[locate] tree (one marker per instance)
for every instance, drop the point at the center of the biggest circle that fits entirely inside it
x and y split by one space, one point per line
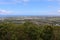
47 33
32 30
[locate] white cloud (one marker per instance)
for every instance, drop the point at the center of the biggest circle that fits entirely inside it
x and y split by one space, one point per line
25 0
50 6
5 12
14 1
58 11
50 0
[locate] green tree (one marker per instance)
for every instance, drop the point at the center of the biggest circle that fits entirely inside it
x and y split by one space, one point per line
32 30
47 33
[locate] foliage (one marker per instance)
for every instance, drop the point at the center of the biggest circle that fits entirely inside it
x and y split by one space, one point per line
47 33
26 31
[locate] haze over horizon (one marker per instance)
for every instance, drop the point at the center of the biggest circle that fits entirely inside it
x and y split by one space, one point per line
30 7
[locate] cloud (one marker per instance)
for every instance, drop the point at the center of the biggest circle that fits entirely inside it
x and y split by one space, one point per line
5 12
13 1
58 11
50 6
58 1
23 1
50 0
7 3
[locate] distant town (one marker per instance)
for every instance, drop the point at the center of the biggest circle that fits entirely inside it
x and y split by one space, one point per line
40 20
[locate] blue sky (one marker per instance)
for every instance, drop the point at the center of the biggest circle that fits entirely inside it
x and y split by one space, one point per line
29 7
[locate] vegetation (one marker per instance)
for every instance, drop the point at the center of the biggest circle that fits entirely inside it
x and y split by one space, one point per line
27 31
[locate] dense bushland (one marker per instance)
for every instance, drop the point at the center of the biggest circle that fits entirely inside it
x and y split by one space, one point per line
26 31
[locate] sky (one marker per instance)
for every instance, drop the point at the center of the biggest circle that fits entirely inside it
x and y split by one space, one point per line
30 7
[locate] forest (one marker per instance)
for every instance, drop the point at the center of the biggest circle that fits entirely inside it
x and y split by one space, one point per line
28 31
